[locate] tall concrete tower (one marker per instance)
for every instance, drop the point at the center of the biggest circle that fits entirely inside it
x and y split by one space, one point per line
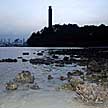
50 17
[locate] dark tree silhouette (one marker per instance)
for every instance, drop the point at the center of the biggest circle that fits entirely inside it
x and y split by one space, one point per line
70 35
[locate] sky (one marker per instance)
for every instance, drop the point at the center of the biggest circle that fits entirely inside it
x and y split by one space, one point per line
19 18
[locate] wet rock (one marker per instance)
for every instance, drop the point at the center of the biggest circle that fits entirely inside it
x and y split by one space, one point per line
39 61
93 77
97 77
50 77
24 60
59 64
62 78
19 57
93 66
72 84
75 73
8 60
66 58
34 86
24 77
25 53
91 93
66 86
39 54
55 56
69 74
11 86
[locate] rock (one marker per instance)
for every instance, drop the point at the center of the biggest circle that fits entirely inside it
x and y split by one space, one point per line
69 74
62 78
92 78
38 61
50 77
25 53
34 86
75 73
19 57
55 56
66 58
91 93
8 60
93 66
39 54
24 60
66 86
72 84
24 77
11 86
59 64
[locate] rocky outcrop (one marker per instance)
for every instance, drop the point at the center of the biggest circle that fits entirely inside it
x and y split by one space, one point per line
91 93
72 84
24 77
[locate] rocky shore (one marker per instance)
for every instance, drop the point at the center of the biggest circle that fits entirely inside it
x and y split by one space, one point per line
89 85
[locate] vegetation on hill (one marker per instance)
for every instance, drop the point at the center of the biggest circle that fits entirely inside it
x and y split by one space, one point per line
70 35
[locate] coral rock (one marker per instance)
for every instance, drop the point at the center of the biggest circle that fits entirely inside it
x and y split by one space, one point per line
24 77
11 86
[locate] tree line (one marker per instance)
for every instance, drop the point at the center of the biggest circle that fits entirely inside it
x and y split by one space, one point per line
70 35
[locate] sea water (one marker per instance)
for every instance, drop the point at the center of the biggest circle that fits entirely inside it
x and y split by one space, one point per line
48 96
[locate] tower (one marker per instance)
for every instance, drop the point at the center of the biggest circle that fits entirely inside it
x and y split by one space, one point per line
50 17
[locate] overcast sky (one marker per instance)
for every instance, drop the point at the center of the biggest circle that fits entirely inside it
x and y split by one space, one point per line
20 17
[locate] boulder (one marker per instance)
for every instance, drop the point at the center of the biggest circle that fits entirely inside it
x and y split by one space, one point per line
24 77
11 86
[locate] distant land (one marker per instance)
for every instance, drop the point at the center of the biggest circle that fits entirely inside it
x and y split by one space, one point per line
70 35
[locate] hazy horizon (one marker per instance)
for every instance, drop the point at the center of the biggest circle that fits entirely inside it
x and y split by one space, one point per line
20 18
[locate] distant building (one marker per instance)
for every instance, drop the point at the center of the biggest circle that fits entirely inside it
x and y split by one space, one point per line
50 17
